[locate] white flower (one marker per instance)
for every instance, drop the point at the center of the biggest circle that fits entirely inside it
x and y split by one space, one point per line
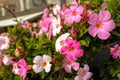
6 60
41 63
60 42
56 9
15 69
4 42
56 24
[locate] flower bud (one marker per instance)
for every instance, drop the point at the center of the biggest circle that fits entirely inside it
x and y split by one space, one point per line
18 51
73 31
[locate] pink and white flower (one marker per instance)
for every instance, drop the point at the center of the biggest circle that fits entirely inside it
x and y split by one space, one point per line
83 73
115 52
56 24
101 25
60 42
6 59
15 69
4 42
68 65
56 9
72 49
41 63
20 68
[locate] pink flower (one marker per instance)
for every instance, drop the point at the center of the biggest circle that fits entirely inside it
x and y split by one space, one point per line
73 14
46 25
26 24
72 49
83 73
4 42
73 31
20 68
41 63
115 52
67 65
101 25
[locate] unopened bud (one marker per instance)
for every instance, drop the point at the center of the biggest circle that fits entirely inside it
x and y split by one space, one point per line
18 51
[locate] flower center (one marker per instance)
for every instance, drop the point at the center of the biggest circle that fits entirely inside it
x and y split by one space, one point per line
43 63
74 13
71 48
82 73
62 42
99 25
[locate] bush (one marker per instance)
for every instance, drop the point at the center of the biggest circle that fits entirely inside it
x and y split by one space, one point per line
79 41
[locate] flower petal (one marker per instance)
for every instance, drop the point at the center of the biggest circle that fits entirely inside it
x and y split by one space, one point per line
63 50
21 63
104 15
88 76
68 68
78 78
73 8
109 25
93 19
79 10
47 58
78 53
22 72
47 67
103 35
69 41
37 68
77 18
75 66
76 44
70 56
93 31
86 67
37 59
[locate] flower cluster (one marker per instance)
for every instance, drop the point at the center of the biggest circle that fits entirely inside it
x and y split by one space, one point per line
56 43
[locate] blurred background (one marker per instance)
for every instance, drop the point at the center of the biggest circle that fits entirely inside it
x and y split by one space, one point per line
23 10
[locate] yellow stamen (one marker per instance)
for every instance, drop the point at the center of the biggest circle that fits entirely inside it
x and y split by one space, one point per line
82 73
98 25
71 48
62 42
74 13
43 63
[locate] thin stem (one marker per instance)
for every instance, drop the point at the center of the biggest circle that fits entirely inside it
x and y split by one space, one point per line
11 13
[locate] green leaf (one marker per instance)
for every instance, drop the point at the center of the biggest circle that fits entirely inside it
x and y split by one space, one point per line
83 42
